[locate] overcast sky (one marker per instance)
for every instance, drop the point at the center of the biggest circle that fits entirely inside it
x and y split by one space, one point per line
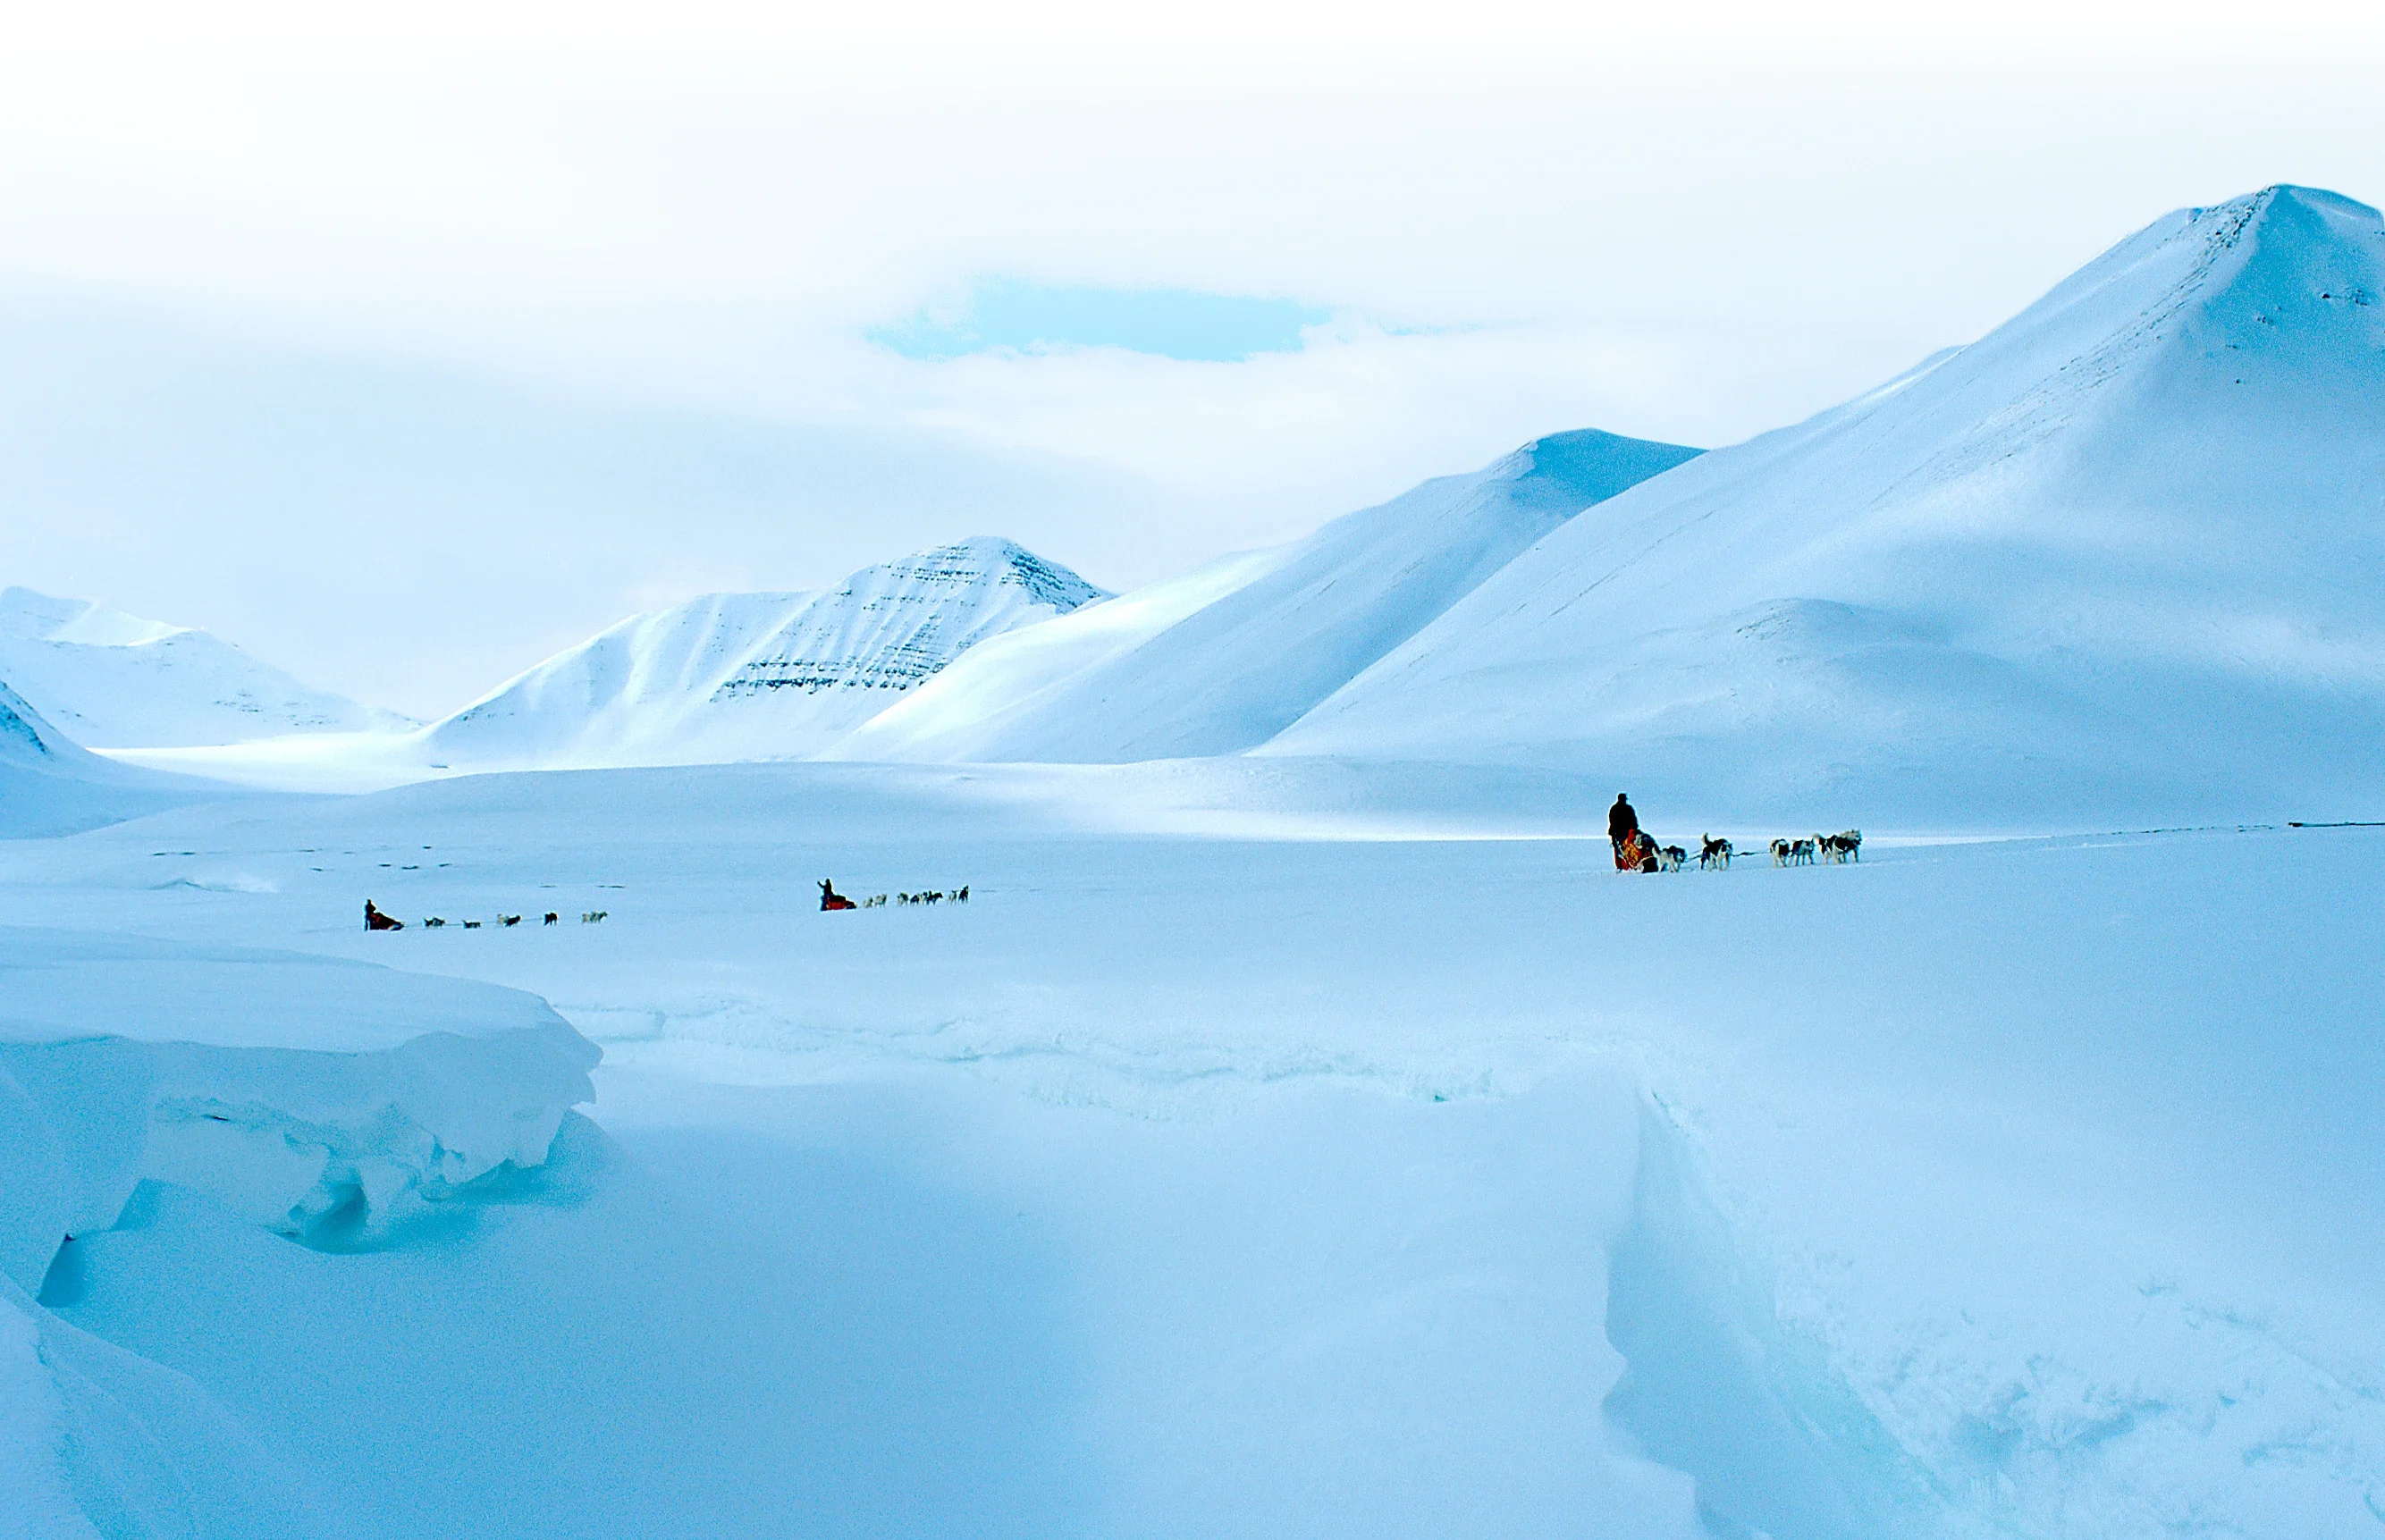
403 354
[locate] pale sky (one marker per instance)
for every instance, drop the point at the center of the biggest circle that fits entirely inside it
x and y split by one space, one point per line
405 353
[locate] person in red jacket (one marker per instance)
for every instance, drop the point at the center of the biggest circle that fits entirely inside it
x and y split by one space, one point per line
376 920
1623 833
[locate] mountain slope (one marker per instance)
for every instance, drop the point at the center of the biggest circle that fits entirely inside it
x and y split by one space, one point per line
2125 554
634 684
50 785
734 676
1222 659
112 680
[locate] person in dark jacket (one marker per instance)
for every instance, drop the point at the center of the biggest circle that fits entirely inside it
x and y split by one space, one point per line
1622 823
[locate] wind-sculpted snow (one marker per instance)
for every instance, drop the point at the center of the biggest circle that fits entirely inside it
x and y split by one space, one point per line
743 676
326 1101
1227 657
2114 559
108 680
310 1095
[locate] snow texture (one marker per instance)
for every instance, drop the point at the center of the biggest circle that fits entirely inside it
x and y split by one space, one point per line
1223 659
108 680
2120 558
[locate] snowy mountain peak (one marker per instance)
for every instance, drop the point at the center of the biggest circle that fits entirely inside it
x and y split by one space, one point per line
1585 466
2282 258
891 626
766 676
108 680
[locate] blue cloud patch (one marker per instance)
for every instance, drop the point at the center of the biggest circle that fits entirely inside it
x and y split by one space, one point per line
1172 323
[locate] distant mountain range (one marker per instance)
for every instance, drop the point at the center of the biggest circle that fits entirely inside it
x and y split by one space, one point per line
2124 556
111 680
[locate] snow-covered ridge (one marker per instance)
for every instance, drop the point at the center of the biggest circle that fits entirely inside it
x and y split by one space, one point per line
301 1091
631 683
738 676
2114 559
1222 659
108 680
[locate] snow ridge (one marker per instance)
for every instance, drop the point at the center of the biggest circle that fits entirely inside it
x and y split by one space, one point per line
1223 658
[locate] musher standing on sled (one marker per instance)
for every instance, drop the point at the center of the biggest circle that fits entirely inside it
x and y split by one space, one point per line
1623 833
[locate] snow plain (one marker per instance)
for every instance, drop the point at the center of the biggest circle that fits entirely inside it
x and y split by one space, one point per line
1362 1164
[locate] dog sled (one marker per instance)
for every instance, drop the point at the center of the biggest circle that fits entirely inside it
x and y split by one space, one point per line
1636 852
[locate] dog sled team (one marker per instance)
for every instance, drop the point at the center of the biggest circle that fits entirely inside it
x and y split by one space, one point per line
376 919
830 900
1637 850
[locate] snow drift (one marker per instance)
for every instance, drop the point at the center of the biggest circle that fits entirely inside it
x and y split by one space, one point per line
2120 556
737 676
305 1092
1227 657
108 680
322 1099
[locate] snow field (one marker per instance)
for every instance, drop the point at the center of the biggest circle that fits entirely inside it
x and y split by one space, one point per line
2016 1187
